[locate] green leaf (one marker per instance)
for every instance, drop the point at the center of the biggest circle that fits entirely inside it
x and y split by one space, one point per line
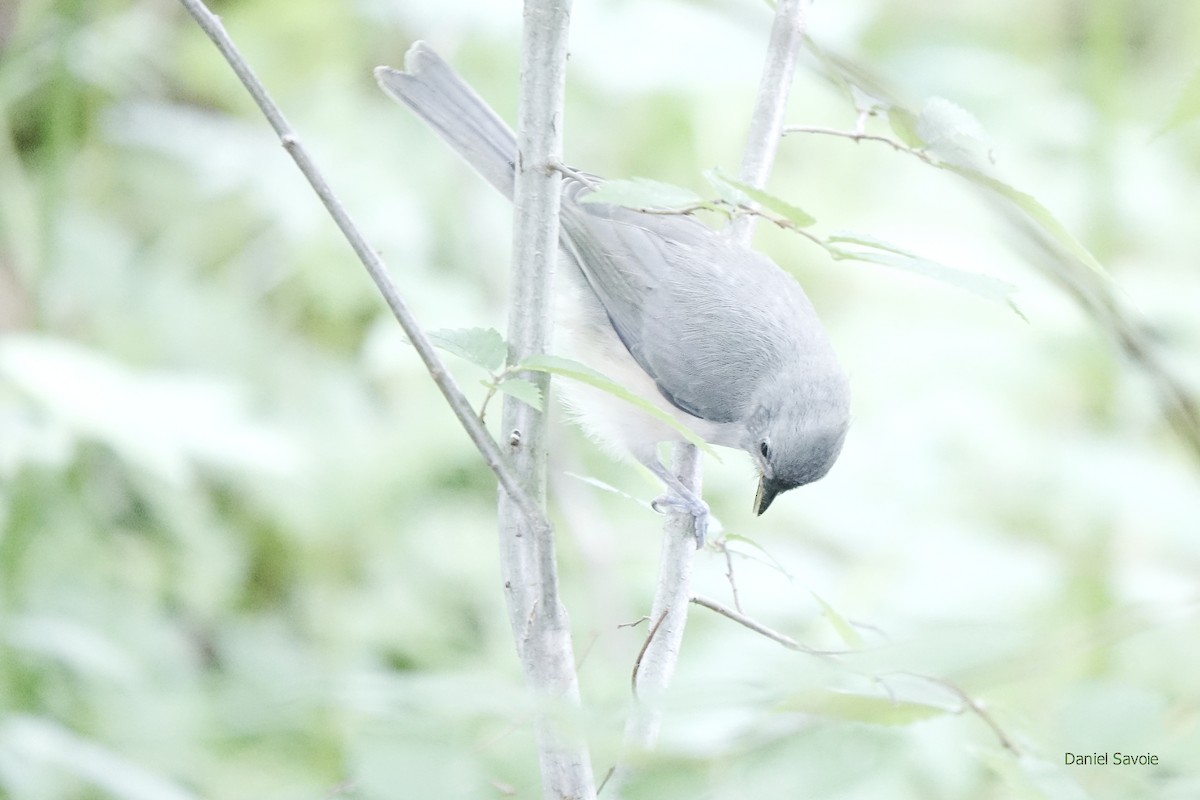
523 390
797 216
726 192
1187 108
844 629
644 193
608 487
568 368
850 78
874 709
866 102
904 124
483 347
767 559
1038 212
952 133
881 252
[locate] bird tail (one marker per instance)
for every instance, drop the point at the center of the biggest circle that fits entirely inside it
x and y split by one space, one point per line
456 113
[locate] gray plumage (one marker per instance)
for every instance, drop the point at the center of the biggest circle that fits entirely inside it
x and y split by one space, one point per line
717 335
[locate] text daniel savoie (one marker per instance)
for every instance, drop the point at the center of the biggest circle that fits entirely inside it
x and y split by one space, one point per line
1114 759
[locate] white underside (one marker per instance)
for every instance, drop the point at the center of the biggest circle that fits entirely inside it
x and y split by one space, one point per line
583 333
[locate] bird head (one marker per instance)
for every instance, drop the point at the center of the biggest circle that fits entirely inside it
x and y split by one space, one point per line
795 433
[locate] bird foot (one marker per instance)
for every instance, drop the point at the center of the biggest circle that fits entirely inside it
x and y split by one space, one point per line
686 505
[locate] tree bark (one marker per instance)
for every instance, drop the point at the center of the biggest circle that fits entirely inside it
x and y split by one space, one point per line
541 629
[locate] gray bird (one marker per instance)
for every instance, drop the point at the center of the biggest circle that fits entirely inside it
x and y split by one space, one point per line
715 334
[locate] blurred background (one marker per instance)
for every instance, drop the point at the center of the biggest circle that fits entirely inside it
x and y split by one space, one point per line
245 551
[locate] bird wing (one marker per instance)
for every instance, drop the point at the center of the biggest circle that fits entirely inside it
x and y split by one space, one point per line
708 320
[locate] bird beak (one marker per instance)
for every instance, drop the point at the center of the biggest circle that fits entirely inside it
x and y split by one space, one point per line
767 489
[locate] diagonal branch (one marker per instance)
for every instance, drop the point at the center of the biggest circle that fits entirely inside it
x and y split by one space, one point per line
458 402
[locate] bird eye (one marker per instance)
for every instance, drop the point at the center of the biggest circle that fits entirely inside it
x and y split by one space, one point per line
762 448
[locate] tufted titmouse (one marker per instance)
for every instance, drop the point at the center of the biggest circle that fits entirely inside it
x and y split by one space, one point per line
715 334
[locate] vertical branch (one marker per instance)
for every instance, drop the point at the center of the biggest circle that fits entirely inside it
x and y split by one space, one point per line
673 592
766 124
539 621
656 667
668 617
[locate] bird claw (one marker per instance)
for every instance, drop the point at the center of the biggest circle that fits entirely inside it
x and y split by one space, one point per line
686 505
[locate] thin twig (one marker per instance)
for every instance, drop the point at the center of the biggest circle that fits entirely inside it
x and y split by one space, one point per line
785 223
737 602
581 659
680 211
758 627
733 212
637 663
611 771
976 707
492 388
860 136
980 711
458 402
971 704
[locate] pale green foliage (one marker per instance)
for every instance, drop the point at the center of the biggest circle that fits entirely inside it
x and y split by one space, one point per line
951 133
569 368
876 251
246 552
523 390
1188 107
904 124
791 213
37 741
1036 211
852 638
952 138
483 347
643 193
